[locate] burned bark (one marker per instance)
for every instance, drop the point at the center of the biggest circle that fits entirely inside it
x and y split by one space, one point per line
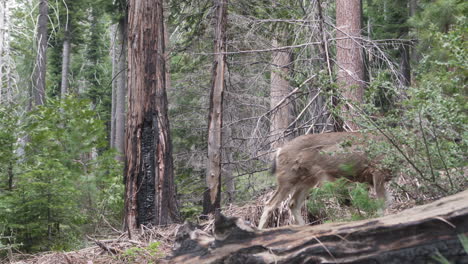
149 175
412 236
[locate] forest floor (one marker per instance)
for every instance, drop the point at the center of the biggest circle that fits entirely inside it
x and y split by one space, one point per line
151 245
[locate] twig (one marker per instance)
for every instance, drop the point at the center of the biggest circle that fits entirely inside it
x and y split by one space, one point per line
426 147
112 251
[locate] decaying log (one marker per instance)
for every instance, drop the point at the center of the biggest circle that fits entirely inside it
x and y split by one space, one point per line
412 236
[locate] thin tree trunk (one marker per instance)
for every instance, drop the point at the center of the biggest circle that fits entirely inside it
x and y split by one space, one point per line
150 197
10 176
279 89
405 65
212 198
39 76
65 62
349 58
319 109
3 10
115 71
121 90
413 9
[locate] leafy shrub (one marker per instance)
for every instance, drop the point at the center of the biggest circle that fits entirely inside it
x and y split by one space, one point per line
326 202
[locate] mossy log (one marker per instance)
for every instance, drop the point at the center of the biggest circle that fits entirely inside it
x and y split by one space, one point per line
416 235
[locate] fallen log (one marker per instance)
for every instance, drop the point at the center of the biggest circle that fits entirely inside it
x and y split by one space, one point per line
418 235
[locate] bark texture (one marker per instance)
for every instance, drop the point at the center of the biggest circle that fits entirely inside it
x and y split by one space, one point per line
279 89
121 90
150 197
212 197
65 61
40 67
349 57
411 236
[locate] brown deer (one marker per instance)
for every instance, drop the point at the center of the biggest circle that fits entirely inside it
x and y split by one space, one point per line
308 160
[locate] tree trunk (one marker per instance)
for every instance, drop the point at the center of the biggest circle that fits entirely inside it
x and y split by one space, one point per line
227 150
319 108
115 71
150 197
121 90
279 89
40 67
65 62
413 236
3 10
212 197
349 58
405 65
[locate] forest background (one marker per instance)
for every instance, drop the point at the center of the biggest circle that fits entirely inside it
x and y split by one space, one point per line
65 103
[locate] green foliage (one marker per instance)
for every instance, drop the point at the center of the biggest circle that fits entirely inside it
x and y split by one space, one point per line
429 122
57 164
326 201
150 252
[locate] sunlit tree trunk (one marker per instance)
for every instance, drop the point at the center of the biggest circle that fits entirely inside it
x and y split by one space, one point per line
349 58
150 197
212 197
65 61
40 67
279 89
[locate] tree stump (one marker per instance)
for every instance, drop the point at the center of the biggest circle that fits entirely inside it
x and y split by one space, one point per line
414 236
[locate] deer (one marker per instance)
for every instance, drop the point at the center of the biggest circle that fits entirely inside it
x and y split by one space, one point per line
308 160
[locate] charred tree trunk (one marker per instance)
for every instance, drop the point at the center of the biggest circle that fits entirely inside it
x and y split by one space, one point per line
150 197
39 75
279 89
212 196
349 58
413 236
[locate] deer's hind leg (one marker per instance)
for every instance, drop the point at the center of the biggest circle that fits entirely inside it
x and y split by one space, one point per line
280 195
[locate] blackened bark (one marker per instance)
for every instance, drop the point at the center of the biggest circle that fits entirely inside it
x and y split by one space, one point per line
149 177
39 75
212 196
